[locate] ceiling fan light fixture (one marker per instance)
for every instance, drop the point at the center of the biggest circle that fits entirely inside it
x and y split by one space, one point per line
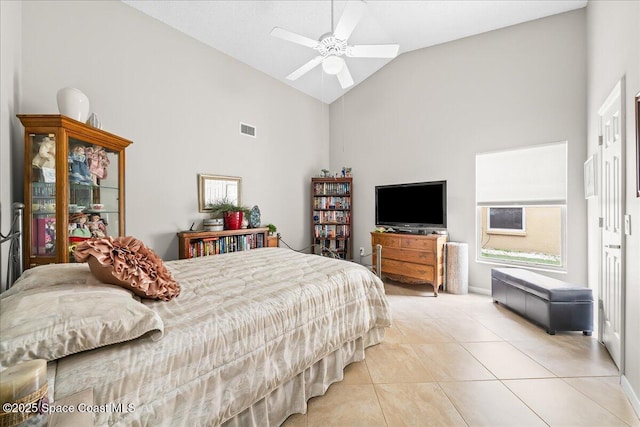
332 64
333 47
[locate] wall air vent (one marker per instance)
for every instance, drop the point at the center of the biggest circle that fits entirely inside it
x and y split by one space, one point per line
248 130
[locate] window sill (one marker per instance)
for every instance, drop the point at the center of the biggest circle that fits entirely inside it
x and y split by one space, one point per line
508 232
530 266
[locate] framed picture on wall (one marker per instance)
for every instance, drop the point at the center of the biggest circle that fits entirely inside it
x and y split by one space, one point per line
216 189
638 144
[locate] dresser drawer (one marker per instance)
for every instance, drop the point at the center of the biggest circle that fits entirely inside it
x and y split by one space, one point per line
386 240
428 245
421 272
417 257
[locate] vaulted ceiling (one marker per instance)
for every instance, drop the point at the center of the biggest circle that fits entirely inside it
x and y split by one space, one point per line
241 29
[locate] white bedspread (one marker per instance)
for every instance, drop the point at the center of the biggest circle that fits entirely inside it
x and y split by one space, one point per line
244 324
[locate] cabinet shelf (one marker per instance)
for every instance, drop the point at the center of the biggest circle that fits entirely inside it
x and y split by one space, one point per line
76 185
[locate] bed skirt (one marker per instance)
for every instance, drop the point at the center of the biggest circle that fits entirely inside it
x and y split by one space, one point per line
292 396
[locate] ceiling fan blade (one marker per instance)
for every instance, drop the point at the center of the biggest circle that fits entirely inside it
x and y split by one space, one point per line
373 51
305 68
344 77
293 37
349 19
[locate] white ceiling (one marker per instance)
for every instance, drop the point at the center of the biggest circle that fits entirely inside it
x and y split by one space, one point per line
241 29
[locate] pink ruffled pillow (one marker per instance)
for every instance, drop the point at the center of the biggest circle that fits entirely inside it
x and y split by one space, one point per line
127 262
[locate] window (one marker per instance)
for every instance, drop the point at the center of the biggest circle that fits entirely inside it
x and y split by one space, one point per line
521 206
537 242
506 220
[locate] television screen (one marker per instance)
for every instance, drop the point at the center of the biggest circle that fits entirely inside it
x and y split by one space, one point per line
416 205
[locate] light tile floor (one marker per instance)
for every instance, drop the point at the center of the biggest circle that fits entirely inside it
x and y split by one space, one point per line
459 360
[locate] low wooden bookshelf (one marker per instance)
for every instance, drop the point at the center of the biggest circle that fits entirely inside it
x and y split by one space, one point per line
192 244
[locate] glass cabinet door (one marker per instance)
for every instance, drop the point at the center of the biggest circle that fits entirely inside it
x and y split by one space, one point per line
43 191
94 189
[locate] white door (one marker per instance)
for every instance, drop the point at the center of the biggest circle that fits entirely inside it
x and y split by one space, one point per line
612 268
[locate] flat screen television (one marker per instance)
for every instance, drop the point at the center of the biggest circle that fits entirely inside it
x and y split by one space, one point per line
418 206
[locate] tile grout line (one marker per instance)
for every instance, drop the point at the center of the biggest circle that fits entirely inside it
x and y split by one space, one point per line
375 390
523 402
593 401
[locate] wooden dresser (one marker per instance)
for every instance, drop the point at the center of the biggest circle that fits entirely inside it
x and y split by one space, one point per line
411 258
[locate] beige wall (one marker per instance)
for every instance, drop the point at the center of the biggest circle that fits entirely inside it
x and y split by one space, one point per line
181 104
543 228
10 142
613 34
427 114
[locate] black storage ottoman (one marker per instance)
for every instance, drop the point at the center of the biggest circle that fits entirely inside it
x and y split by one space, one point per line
553 304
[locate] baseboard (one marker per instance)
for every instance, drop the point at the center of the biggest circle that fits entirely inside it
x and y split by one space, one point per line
482 291
631 394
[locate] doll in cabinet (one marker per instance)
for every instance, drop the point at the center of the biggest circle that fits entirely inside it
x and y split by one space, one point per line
97 225
78 226
78 166
45 159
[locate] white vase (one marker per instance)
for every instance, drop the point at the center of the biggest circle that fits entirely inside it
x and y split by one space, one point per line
73 103
94 121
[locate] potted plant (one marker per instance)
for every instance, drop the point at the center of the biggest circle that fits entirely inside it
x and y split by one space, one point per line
231 212
272 229
233 216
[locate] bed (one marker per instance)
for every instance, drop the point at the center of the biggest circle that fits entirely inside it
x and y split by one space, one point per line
252 336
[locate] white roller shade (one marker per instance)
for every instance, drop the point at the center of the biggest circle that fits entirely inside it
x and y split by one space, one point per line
533 174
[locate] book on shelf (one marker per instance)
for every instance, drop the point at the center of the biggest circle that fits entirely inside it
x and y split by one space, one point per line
339 217
332 202
322 188
338 246
332 231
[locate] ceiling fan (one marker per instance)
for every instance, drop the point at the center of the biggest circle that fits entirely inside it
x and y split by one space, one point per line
333 46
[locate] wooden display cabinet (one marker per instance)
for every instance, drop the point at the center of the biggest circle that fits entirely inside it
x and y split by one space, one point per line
74 186
331 214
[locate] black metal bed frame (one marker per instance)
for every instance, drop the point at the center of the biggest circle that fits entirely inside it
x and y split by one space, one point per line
15 264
